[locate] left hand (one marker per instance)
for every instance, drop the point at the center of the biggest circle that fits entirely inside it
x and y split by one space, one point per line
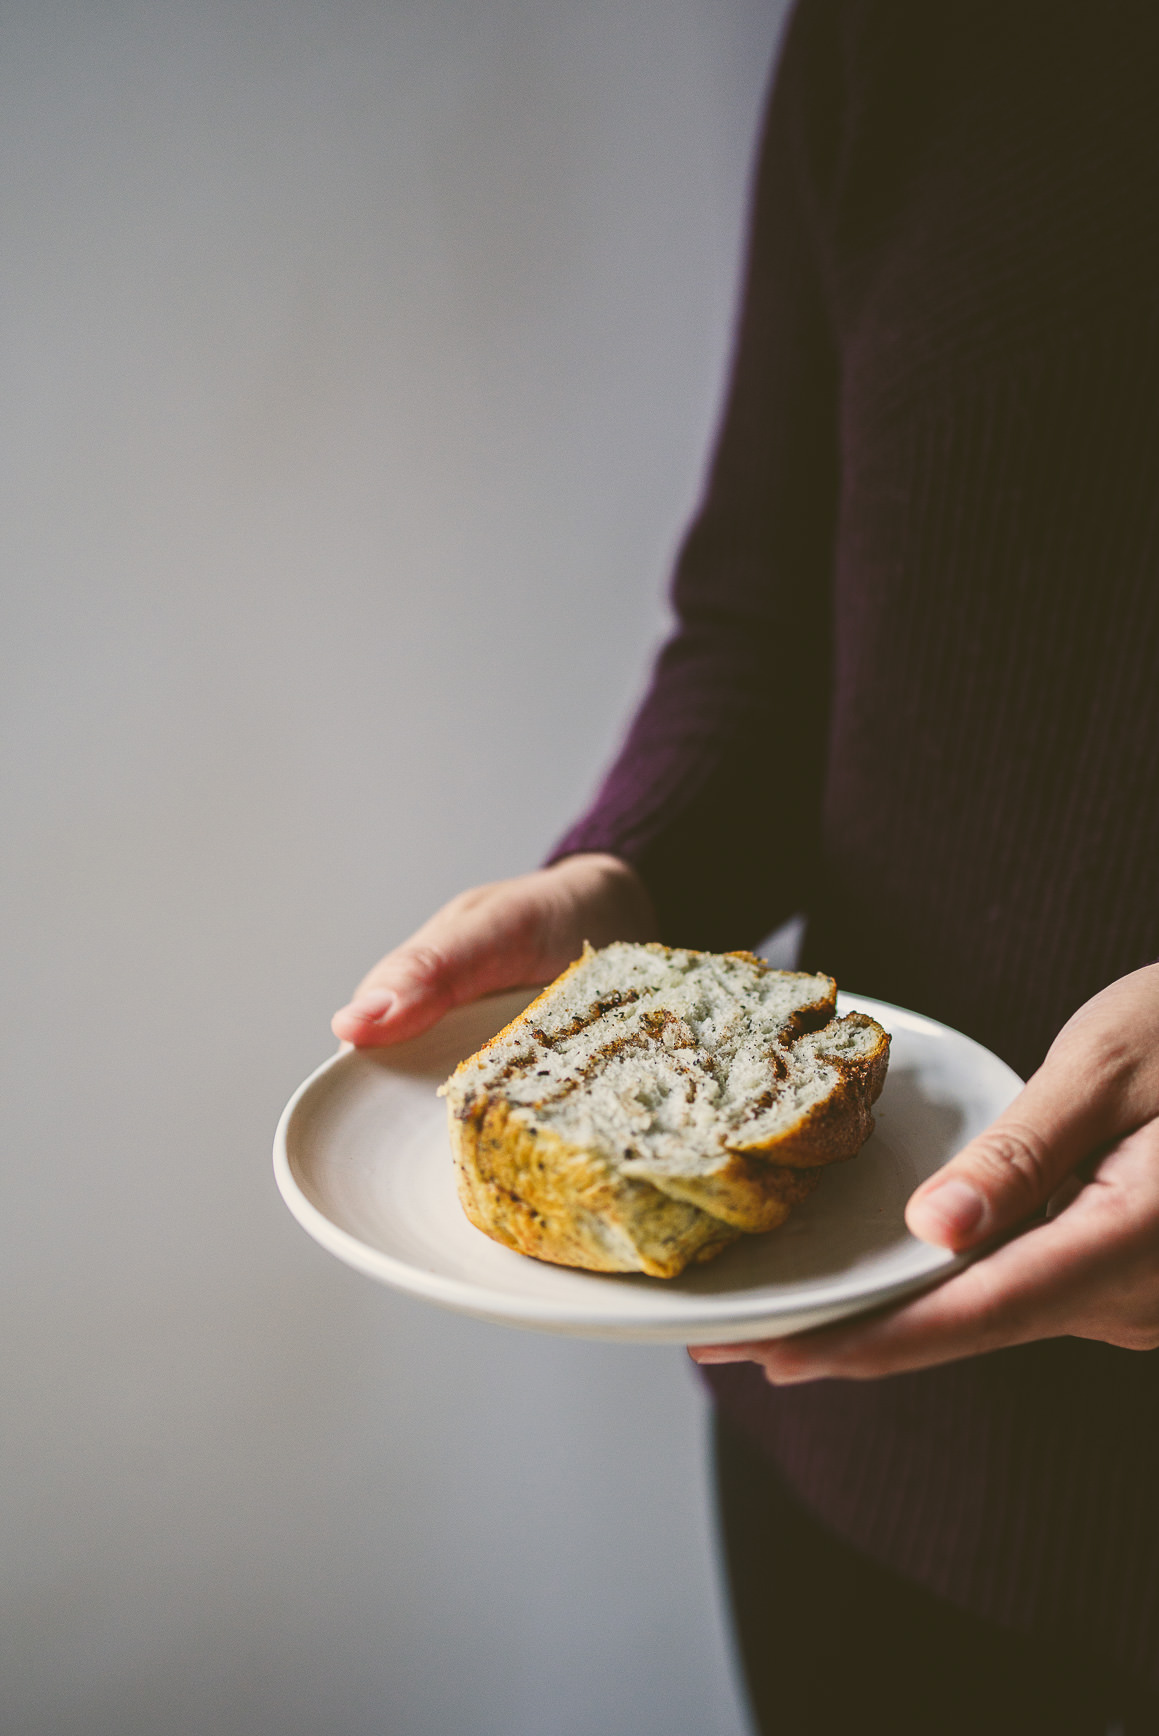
1082 1140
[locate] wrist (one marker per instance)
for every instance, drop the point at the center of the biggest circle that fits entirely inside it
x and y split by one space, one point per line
608 895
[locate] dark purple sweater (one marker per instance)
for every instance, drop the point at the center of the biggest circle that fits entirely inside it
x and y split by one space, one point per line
914 689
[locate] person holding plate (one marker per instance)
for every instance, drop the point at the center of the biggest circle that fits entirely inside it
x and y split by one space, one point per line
913 691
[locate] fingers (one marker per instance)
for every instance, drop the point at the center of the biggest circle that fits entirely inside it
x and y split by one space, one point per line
406 992
1012 1297
997 1181
487 939
1092 1272
514 933
1093 1087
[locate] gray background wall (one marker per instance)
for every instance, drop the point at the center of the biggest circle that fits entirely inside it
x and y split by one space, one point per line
359 362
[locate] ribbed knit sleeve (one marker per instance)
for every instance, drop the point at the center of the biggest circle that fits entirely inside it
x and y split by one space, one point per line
714 796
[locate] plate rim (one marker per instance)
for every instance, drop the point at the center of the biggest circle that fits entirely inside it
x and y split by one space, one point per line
751 1316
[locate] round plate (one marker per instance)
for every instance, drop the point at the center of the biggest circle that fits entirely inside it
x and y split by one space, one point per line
363 1161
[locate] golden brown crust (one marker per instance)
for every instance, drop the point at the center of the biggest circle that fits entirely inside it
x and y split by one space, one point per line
532 1191
750 1196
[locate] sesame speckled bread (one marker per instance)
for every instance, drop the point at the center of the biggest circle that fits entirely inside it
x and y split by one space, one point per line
653 1104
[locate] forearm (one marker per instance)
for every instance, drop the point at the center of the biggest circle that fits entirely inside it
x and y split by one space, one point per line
713 798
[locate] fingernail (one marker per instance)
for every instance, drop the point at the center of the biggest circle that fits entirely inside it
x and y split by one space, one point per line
716 1353
953 1209
371 1004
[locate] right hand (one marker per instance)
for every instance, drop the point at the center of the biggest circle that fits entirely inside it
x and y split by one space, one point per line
512 934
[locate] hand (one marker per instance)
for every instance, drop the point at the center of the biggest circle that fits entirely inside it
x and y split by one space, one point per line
511 934
1081 1140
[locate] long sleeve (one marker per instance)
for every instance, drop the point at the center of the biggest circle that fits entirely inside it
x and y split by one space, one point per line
715 795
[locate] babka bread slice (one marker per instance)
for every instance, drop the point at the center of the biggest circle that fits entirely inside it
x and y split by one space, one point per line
654 1103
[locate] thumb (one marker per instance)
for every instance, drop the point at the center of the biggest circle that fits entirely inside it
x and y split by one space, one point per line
1067 1111
485 939
510 934
405 993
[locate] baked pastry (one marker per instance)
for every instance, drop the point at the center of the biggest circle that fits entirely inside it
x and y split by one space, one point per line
654 1103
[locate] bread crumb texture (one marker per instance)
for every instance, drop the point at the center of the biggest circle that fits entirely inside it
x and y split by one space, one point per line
653 1104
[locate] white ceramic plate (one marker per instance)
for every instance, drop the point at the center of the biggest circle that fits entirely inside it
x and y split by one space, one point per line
363 1162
